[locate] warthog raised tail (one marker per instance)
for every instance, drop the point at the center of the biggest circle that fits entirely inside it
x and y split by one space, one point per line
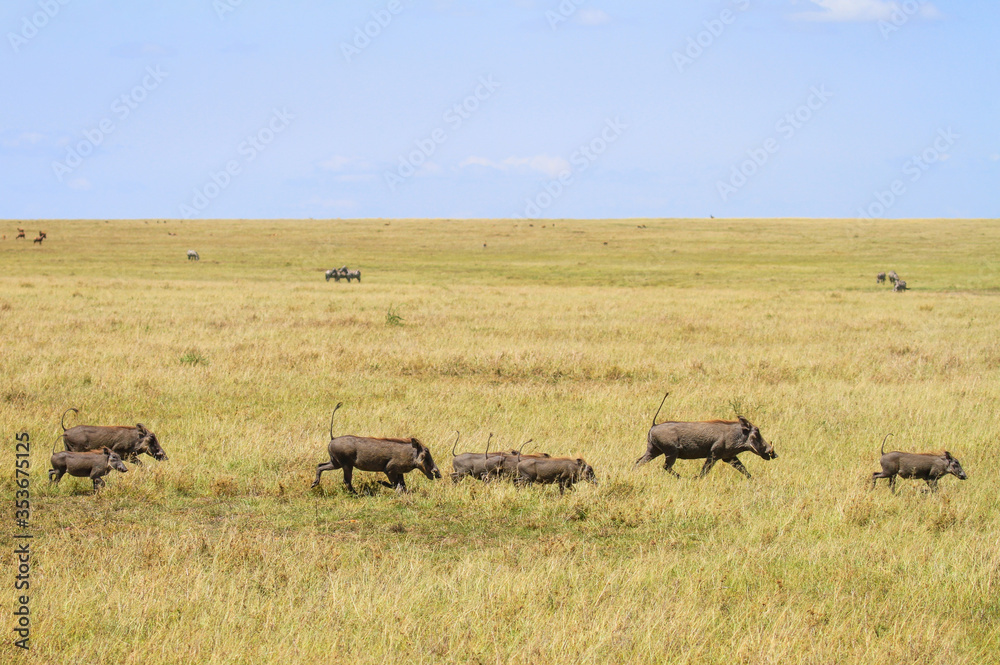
393 457
127 442
929 467
711 440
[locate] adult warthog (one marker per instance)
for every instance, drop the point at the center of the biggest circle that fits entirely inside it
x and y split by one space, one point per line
711 440
127 442
393 457
480 466
929 467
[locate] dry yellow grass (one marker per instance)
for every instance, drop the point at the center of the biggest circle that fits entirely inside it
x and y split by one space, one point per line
223 554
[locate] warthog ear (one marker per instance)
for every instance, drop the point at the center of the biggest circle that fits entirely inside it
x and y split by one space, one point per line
142 429
416 443
947 455
745 424
106 450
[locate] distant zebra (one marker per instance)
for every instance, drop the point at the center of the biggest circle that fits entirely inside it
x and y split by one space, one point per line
880 278
332 274
900 285
353 274
893 277
193 255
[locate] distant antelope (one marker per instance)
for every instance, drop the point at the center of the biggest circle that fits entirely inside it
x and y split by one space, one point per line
20 234
39 239
42 235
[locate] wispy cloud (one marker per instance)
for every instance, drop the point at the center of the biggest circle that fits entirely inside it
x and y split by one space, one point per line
550 166
862 11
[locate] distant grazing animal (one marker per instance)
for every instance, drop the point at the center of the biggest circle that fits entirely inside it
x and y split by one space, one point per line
128 442
564 471
893 277
353 274
38 240
711 440
394 457
94 465
42 235
193 255
880 278
20 234
332 274
900 285
929 467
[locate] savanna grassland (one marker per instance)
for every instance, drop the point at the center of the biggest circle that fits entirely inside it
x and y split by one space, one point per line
567 333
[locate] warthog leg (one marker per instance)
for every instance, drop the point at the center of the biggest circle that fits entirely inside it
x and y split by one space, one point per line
55 476
348 474
668 465
98 484
320 468
398 482
932 483
709 463
651 454
738 465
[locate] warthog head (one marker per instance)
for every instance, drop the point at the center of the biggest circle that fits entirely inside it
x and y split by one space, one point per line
953 467
114 461
424 460
149 444
587 472
758 446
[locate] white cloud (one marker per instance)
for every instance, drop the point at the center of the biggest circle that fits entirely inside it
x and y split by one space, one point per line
863 10
553 167
592 17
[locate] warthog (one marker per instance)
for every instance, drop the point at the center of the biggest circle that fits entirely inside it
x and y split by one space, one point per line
193 255
393 457
929 467
128 442
880 278
562 470
900 285
94 465
711 440
478 465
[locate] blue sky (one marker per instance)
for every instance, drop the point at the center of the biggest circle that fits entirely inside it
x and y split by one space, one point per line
499 108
